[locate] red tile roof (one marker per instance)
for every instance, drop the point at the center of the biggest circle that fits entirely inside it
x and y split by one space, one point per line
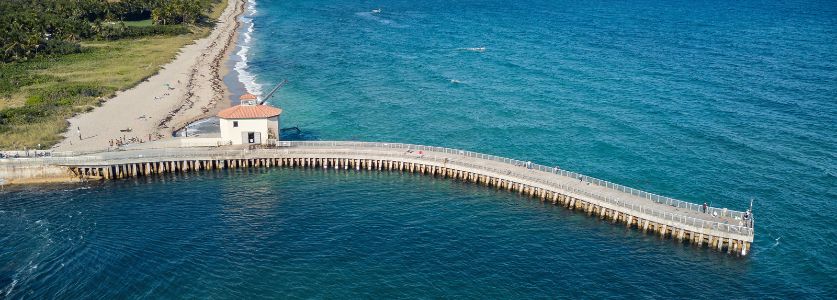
248 96
249 112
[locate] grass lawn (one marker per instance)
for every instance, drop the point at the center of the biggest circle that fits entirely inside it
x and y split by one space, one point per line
141 23
39 95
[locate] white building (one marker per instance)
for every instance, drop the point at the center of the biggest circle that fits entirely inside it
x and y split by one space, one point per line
249 123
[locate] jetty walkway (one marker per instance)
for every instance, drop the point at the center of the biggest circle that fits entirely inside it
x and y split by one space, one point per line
717 228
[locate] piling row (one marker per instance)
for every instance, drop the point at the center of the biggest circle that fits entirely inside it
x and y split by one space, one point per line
616 215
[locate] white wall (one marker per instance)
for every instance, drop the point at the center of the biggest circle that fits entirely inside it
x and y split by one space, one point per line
179 142
233 134
273 123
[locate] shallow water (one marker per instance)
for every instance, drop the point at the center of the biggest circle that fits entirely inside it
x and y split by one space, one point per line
699 100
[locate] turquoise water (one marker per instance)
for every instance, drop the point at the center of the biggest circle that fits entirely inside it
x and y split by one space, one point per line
700 100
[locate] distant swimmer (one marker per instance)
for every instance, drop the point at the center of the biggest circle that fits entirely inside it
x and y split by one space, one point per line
474 49
376 11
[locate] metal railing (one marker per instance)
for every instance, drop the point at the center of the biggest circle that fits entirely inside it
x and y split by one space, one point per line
721 212
626 203
439 155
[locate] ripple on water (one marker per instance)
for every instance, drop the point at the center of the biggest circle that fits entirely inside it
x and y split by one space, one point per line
703 100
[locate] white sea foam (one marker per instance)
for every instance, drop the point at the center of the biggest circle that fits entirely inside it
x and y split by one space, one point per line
11 287
473 49
241 66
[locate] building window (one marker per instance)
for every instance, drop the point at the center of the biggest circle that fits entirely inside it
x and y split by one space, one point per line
235 123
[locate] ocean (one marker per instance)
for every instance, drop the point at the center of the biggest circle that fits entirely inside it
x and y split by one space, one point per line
704 101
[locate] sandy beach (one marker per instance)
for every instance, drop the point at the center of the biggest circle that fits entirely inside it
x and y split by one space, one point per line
188 88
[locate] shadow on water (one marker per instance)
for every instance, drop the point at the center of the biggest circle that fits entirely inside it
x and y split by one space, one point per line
296 134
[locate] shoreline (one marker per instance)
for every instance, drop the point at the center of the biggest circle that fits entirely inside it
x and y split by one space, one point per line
220 69
237 60
240 61
186 89
235 76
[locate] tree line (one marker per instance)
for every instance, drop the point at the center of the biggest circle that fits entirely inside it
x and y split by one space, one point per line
31 28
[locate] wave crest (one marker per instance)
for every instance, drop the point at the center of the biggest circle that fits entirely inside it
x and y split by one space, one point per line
241 66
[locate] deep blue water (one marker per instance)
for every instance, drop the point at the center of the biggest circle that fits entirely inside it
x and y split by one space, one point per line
717 101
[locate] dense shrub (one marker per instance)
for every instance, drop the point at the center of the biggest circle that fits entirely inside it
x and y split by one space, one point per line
13 76
22 115
61 47
121 32
43 102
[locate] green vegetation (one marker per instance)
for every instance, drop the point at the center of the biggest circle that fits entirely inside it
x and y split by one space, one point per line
140 23
72 72
31 28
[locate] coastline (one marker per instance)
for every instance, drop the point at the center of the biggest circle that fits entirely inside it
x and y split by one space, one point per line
240 61
188 88
236 79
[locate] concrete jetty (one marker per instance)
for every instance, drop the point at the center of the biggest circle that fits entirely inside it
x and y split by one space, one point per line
718 228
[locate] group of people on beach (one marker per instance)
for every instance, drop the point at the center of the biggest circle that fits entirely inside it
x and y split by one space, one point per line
122 141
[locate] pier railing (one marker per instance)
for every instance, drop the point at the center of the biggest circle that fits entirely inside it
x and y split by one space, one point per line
353 149
630 205
723 212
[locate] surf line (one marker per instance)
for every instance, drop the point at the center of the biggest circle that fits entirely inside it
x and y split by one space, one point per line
247 78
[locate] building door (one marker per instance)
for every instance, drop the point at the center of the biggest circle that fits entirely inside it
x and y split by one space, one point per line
251 137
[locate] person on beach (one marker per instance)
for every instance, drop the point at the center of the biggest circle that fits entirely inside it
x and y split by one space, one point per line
78 130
